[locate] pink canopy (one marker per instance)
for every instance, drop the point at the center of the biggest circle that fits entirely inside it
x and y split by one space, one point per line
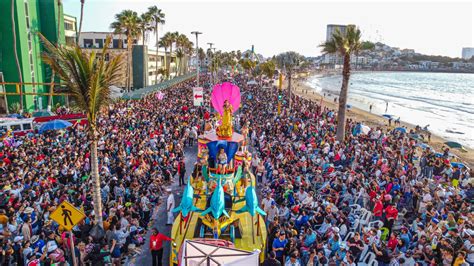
159 95
225 91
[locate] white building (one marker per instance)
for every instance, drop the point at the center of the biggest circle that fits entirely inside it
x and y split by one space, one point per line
70 29
467 52
94 39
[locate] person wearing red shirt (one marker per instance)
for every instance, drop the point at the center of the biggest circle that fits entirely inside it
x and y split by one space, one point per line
391 214
378 209
156 246
392 242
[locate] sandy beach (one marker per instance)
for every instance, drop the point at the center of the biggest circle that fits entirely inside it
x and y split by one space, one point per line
373 120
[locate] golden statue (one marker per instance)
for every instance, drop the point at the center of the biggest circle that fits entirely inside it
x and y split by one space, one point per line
225 129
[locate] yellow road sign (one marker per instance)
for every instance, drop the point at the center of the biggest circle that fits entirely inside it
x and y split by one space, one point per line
67 215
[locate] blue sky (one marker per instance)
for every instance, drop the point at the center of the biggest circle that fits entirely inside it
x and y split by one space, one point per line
439 28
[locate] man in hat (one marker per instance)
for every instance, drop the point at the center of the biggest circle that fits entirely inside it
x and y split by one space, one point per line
279 245
170 204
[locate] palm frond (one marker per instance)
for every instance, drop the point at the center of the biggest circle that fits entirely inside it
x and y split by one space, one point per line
87 76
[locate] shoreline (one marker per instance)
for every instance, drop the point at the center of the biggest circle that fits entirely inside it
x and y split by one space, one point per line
374 120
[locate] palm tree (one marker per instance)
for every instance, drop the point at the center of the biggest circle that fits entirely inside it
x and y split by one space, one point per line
287 62
144 24
344 44
173 38
188 52
179 58
88 77
158 17
164 44
167 42
201 55
15 52
127 22
80 22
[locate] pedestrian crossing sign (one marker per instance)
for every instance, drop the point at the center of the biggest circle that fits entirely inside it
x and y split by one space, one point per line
67 215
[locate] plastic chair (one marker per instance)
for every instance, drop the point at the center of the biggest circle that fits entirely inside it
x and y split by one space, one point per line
349 236
368 260
364 252
343 231
355 226
374 223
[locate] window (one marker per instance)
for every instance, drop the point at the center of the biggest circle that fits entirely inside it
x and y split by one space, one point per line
15 127
26 126
116 43
99 43
68 26
107 56
88 43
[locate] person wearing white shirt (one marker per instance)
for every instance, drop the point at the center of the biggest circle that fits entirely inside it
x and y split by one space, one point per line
301 194
170 203
267 203
272 212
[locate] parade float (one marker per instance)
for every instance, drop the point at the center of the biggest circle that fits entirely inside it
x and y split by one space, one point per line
219 204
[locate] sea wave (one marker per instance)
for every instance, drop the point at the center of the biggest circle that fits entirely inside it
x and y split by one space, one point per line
445 101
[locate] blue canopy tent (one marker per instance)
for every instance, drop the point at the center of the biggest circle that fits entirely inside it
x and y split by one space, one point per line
401 129
230 148
54 125
459 165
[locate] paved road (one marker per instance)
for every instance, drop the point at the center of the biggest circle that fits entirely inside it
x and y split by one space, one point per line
160 221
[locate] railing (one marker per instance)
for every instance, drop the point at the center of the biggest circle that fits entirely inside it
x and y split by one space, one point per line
20 92
138 94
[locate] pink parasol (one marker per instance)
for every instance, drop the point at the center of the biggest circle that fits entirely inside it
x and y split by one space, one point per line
225 91
159 95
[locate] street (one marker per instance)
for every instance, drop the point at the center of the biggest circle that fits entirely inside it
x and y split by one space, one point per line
160 221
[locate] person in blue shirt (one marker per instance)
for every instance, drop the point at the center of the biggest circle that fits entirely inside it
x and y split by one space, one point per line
334 245
279 246
310 238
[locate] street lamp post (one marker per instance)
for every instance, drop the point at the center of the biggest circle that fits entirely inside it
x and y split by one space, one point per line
210 47
197 54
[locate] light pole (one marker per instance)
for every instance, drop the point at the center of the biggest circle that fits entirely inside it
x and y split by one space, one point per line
210 48
197 54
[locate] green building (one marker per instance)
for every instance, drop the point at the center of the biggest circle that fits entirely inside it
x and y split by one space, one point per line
30 18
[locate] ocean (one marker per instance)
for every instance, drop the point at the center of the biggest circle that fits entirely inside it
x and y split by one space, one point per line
444 101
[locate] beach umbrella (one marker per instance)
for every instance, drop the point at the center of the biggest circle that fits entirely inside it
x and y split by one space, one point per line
456 164
401 129
453 144
43 113
252 82
387 116
54 125
364 129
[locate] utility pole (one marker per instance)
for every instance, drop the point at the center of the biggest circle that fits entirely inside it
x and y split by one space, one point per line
197 54
280 81
210 48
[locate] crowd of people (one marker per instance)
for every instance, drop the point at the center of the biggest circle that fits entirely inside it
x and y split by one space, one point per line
375 198
140 150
